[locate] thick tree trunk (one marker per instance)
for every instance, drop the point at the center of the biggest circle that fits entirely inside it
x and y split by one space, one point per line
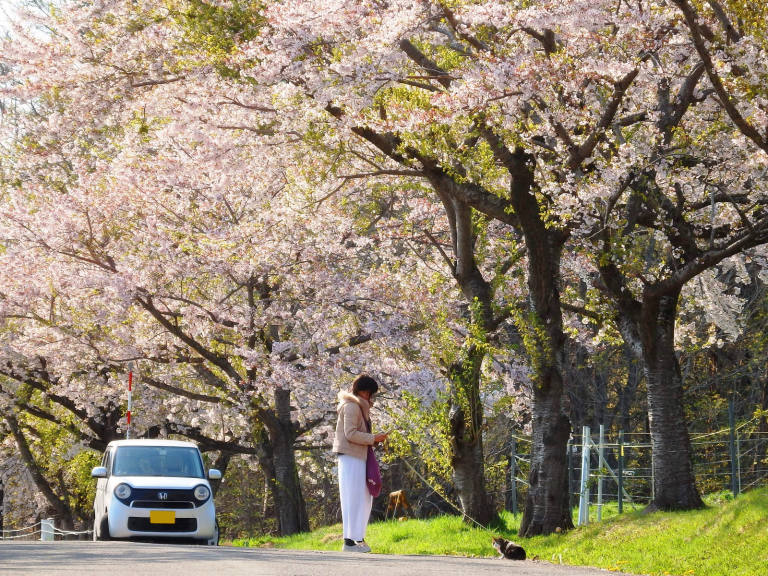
290 504
547 504
466 420
278 463
674 484
291 509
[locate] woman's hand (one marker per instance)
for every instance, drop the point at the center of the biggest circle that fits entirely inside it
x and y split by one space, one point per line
380 437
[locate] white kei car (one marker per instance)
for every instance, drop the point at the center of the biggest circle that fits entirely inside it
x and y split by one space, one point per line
154 489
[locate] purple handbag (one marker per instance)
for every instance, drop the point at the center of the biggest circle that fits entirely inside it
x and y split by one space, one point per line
372 471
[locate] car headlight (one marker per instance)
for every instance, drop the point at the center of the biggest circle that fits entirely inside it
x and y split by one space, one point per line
123 491
202 492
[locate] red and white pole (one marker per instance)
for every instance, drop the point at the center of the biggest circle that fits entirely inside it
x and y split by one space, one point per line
130 393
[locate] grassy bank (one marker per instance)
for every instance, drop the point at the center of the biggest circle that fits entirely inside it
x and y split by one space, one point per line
727 538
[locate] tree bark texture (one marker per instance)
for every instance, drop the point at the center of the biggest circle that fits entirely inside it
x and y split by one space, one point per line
291 508
674 484
466 411
547 504
466 420
221 464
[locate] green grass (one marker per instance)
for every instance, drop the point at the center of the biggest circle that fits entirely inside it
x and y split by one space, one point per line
727 538
442 535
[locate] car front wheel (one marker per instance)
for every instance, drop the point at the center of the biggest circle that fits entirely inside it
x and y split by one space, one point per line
101 529
214 541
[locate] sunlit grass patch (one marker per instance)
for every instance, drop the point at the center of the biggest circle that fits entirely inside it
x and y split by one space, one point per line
727 538
723 539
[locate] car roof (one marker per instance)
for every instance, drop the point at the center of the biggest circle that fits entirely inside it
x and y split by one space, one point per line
152 442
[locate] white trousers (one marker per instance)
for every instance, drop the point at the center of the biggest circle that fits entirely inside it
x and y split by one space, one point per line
356 501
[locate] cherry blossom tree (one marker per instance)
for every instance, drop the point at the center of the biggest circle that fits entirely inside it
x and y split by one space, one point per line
691 198
444 127
183 139
235 139
191 225
568 100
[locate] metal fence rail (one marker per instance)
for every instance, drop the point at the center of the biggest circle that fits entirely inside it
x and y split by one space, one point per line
617 468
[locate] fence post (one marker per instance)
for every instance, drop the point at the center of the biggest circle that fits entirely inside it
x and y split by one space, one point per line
511 502
738 460
621 471
46 530
653 474
584 485
569 460
732 447
601 464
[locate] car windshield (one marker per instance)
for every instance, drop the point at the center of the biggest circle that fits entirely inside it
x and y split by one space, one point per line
157 461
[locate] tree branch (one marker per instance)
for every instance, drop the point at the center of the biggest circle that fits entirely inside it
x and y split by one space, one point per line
427 64
725 97
215 359
606 119
181 391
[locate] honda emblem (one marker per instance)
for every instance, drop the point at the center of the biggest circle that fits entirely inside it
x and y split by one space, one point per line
162 495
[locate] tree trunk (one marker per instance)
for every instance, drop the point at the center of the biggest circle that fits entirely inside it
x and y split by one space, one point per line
762 428
466 420
58 504
291 509
290 504
547 503
221 464
674 483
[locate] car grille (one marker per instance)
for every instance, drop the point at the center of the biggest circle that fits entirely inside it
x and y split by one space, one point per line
161 504
163 499
144 525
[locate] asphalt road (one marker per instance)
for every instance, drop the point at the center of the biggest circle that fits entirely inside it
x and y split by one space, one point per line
140 559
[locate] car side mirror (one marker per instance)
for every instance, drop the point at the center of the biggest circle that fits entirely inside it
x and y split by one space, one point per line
214 474
99 472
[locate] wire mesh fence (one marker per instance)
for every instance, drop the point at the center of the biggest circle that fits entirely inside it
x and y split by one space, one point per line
619 469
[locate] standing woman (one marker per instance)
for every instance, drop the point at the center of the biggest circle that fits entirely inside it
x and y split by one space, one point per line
353 437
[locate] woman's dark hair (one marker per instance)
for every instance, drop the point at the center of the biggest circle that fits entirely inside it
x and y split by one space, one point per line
364 383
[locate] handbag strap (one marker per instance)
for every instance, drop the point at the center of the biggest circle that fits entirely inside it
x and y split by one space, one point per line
367 422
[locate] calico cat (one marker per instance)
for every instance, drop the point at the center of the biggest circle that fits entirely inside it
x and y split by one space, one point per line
508 549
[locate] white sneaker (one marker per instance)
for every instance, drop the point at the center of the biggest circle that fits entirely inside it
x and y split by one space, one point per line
357 547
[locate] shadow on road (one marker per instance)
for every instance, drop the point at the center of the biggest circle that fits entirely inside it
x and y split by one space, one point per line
144 559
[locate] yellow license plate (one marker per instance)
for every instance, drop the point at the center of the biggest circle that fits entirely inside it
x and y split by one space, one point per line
162 517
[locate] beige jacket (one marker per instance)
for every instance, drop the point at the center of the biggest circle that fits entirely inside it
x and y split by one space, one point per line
352 436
